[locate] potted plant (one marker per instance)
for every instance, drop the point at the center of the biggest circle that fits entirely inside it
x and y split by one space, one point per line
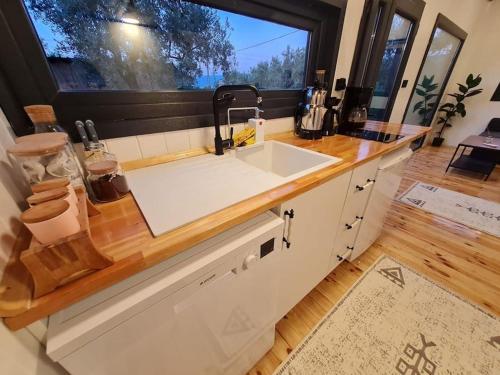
456 106
425 106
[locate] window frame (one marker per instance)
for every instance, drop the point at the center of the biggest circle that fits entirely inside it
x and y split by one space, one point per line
444 23
369 53
119 113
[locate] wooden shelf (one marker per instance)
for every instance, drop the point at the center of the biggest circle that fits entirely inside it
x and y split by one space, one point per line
121 232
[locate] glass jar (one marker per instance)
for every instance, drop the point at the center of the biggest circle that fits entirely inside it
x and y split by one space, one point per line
105 175
46 156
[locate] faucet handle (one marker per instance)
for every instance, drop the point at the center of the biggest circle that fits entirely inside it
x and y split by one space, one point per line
258 111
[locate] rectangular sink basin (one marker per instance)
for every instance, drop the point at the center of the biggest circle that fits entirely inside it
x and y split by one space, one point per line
284 160
173 194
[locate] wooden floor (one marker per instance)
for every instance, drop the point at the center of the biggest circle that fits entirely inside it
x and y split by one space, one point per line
462 259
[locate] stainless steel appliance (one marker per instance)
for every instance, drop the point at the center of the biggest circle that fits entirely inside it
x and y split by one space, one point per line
310 112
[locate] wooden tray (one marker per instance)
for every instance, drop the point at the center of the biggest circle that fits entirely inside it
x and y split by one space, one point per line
66 260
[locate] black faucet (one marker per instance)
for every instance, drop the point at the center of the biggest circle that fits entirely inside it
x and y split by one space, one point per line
224 102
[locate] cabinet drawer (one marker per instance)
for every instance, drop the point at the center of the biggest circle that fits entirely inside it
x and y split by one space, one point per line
363 175
344 242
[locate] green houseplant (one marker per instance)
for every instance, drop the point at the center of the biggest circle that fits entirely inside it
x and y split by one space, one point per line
425 106
456 106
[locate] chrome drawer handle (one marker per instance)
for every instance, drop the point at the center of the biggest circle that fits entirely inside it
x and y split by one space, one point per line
354 223
368 183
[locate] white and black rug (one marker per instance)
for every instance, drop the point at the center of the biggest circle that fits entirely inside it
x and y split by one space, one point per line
474 212
395 321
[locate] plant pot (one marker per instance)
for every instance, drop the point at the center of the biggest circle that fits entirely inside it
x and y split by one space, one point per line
438 141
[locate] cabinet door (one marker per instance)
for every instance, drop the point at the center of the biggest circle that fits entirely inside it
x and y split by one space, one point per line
305 262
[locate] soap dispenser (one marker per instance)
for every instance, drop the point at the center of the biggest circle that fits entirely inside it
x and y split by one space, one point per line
257 123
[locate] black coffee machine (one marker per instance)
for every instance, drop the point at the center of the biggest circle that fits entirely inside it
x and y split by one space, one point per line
354 112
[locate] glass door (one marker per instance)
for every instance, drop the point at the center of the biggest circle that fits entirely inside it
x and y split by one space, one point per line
390 66
433 78
384 43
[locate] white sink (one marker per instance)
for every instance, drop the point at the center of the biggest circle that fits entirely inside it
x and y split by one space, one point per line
284 160
173 194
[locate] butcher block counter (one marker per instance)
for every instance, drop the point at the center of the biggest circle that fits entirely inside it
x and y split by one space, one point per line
121 232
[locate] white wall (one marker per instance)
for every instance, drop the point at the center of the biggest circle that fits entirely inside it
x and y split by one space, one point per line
481 54
20 353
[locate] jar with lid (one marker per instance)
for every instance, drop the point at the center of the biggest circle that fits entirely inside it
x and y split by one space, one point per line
46 156
105 176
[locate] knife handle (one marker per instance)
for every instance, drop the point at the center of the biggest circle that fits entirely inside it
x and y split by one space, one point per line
89 124
83 134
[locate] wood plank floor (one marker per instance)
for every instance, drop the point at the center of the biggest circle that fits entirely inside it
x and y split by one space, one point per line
464 260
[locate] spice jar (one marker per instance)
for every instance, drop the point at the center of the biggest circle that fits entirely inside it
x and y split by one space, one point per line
46 156
51 221
106 177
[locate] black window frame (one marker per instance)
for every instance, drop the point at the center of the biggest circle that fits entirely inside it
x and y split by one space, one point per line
443 23
369 51
26 78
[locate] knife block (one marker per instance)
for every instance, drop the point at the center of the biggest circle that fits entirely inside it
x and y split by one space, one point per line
67 259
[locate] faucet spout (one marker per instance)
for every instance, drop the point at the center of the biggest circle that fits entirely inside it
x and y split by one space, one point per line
224 102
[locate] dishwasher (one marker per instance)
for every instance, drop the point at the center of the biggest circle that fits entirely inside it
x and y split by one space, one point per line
211 310
387 180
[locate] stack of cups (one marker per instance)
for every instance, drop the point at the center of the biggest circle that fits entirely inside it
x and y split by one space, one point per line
53 212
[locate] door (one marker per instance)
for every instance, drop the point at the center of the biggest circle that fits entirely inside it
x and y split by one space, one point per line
310 234
391 67
442 52
384 44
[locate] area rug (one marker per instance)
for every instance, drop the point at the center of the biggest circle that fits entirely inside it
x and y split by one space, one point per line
395 321
474 212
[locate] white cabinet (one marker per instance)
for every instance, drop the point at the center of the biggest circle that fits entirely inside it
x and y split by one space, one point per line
385 188
310 233
360 186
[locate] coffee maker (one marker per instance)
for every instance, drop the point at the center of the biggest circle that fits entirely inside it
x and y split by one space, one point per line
354 112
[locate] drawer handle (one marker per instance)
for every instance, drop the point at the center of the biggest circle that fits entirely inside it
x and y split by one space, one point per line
287 239
369 182
350 247
354 223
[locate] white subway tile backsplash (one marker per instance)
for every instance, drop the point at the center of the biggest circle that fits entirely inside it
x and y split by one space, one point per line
152 144
125 149
279 125
177 141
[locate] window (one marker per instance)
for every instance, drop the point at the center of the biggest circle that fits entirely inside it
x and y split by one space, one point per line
138 67
165 45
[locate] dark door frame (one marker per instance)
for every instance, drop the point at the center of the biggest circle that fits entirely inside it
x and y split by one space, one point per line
370 50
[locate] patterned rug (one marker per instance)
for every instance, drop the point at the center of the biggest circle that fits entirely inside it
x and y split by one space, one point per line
474 212
395 321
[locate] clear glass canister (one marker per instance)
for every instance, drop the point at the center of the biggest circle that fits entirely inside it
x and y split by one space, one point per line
46 156
105 175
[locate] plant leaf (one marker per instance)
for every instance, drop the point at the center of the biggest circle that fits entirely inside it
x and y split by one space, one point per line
474 92
469 80
463 113
462 88
420 92
417 106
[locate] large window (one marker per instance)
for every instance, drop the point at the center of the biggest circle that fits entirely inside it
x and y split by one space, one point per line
142 66
164 45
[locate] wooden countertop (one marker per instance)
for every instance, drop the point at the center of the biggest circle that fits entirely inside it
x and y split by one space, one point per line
122 233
